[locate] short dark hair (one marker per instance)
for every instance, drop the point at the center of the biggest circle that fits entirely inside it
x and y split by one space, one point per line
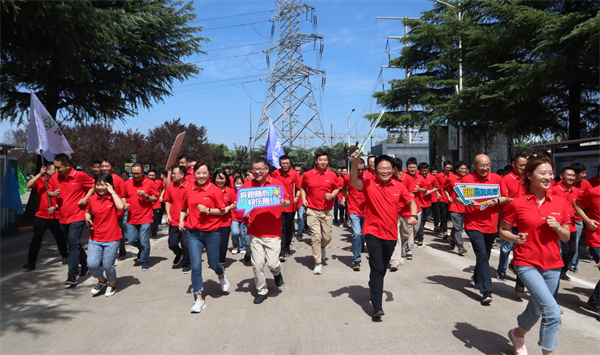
125 172
48 163
423 165
259 160
517 157
285 157
220 172
459 164
182 169
411 161
447 162
104 177
371 156
200 163
62 158
96 162
508 167
152 171
320 153
397 163
563 170
164 172
237 172
297 166
381 158
109 161
432 168
183 156
239 177
578 168
137 165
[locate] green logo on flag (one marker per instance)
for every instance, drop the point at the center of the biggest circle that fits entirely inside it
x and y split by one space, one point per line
48 122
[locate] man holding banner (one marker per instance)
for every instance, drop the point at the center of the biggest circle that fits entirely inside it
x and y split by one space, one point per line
481 222
264 224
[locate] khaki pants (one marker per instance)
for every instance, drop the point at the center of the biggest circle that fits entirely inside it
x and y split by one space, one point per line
319 224
406 239
264 251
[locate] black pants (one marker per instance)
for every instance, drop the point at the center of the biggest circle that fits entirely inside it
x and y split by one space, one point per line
177 238
40 225
224 232
568 251
157 214
443 216
435 209
342 213
482 246
424 216
287 219
336 207
380 253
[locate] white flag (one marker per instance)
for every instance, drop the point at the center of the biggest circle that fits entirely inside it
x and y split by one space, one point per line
43 133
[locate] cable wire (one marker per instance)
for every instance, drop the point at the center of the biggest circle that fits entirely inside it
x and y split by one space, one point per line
230 16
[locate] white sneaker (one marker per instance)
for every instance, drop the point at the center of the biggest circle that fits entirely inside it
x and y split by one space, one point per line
243 251
224 283
317 270
234 251
110 290
401 262
198 306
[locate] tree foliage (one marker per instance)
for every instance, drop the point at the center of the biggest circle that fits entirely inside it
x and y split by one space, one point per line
94 60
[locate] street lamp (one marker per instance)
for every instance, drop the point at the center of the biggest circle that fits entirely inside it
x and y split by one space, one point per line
349 126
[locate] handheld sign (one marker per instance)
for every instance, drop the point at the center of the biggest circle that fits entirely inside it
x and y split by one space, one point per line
479 193
362 146
252 198
175 150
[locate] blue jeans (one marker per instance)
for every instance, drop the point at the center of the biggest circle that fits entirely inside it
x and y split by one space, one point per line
595 297
198 240
358 239
575 260
505 248
105 252
138 236
541 285
239 235
76 252
300 228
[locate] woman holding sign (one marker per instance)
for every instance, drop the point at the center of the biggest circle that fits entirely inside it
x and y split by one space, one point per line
205 204
541 219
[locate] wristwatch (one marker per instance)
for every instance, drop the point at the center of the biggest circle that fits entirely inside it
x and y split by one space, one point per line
414 215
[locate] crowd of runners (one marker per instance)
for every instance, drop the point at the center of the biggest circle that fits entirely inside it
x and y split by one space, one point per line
386 202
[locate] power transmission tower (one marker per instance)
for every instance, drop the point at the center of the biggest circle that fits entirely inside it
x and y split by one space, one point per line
290 92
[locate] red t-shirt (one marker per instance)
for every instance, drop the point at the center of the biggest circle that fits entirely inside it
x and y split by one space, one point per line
355 200
291 183
42 196
541 250
174 195
485 221
72 188
189 176
595 181
317 184
591 200
583 186
367 174
453 206
160 186
140 209
429 183
118 186
419 182
266 222
208 195
105 223
229 197
383 202
411 186
568 195
514 184
441 178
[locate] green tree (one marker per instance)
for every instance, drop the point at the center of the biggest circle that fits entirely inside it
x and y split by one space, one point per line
94 60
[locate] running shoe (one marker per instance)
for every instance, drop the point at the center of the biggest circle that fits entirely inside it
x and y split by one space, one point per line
317 270
110 290
518 343
224 283
99 286
198 306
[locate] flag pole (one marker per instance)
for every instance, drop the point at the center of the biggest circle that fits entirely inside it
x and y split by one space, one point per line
41 150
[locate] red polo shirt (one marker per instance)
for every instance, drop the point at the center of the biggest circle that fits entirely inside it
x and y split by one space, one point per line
189 176
485 221
591 200
583 186
106 223
441 178
291 183
229 197
266 222
383 202
411 186
118 185
42 197
72 188
160 186
541 249
514 184
568 195
208 195
429 183
367 174
453 206
140 209
174 195
595 181
355 200
317 184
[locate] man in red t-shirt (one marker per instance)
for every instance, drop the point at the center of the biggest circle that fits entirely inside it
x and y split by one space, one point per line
383 197
336 204
300 210
443 202
139 195
431 186
189 165
291 184
343 211
178 240
456 211
46 217
264 230
566 190
72 189
413 171
319 188
355 203
583 185
108 165
482 225
156 208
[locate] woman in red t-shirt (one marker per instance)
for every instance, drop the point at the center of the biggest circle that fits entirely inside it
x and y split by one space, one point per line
239 226
105 233
221 179
541 219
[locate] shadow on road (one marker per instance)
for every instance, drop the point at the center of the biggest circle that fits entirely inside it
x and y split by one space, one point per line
458 284
344 259
154 260
126 281
307 261
361 296
485 341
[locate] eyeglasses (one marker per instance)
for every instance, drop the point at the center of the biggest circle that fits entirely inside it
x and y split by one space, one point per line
257 170
382 170
483 166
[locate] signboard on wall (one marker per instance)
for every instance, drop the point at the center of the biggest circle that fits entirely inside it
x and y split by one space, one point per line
453 136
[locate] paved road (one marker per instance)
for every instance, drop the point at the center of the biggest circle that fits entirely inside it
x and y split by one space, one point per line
430 304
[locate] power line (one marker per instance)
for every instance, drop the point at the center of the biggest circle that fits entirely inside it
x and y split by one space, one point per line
228 4
230 16
243 45
243 24
217 86
233 56
218 81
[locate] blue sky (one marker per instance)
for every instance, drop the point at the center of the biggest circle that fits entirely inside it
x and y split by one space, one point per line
354 51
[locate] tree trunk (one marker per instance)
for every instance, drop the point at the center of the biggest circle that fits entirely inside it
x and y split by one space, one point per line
574 111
